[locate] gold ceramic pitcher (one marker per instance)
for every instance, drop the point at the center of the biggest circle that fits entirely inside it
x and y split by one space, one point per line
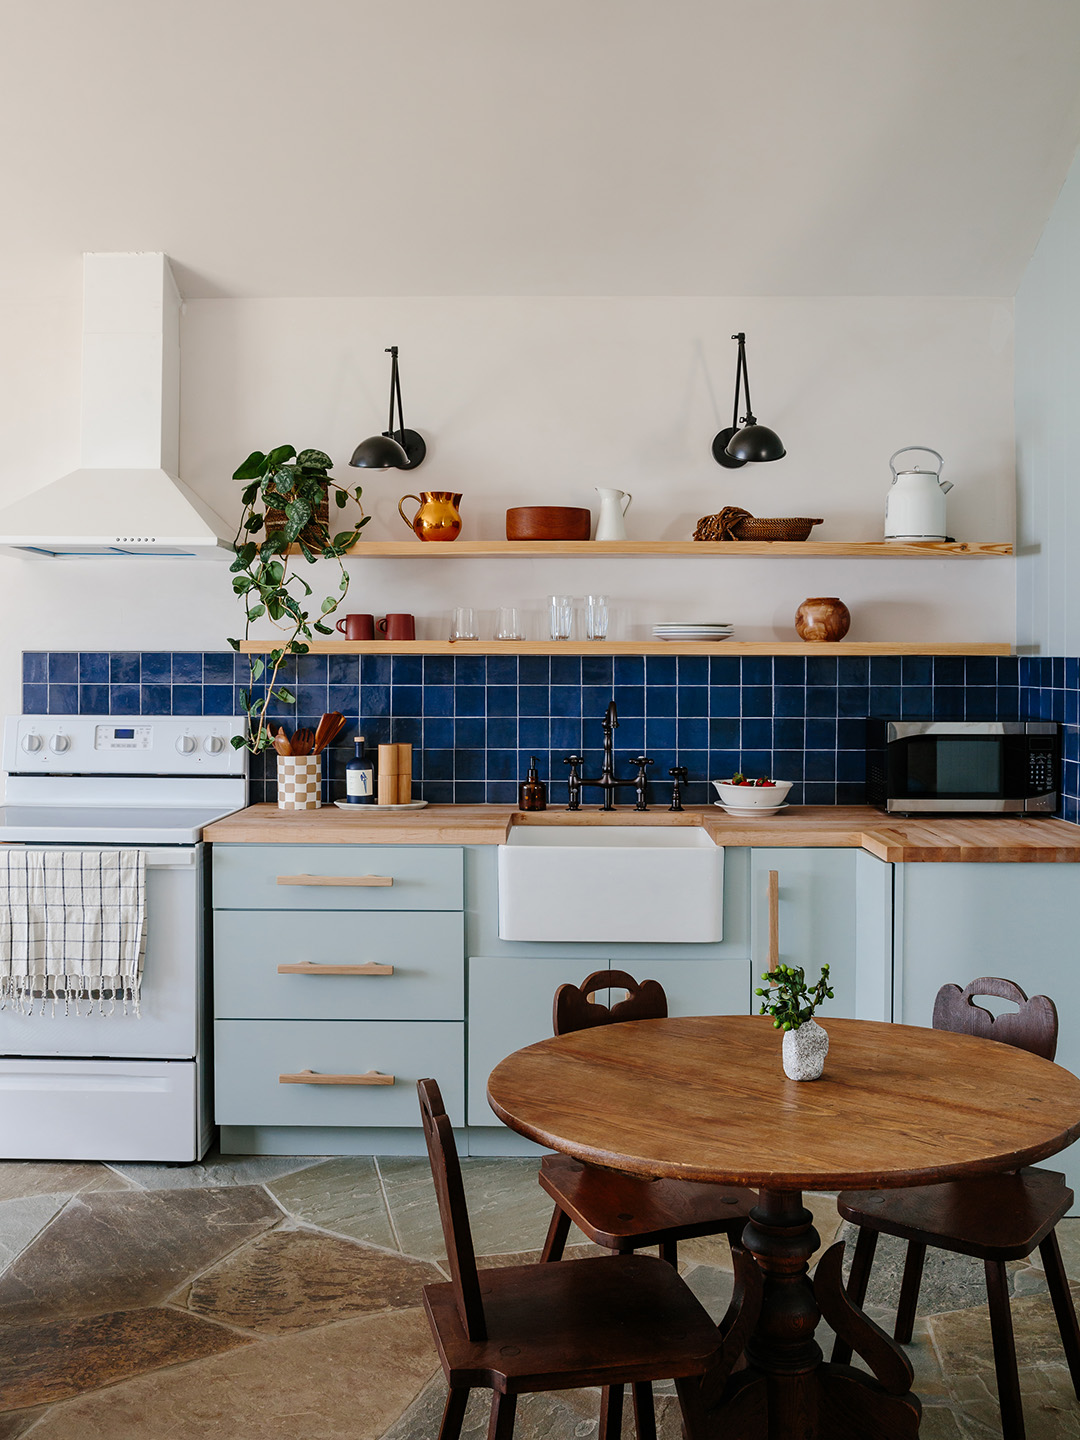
438 517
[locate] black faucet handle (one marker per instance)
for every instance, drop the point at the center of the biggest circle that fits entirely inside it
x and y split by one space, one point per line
679 773
641 761
574 760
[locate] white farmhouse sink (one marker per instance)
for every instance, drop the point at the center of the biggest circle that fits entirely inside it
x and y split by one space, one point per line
653 884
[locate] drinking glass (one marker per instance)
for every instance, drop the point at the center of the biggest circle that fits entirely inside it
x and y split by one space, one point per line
508 624
562 616
463 624
596 617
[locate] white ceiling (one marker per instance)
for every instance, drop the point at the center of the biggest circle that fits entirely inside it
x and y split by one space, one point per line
457 147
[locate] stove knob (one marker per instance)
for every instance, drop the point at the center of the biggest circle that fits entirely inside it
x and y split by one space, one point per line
31 743
59 743
214 744
186 744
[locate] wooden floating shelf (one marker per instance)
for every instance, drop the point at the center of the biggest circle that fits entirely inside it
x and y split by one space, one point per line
732 550
635 647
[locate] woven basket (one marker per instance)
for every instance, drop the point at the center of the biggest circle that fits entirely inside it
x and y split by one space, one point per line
311 535
734 523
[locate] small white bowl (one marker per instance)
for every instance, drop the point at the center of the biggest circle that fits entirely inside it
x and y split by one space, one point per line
753 797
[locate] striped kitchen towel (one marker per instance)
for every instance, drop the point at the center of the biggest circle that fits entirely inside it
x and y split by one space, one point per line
72 929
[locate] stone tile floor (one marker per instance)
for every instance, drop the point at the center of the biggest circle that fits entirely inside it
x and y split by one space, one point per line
278 1299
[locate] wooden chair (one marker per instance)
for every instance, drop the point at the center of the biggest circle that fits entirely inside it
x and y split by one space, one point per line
560 1327
997 1218
629 1212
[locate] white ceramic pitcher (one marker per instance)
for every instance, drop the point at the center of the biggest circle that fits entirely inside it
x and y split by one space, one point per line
611 524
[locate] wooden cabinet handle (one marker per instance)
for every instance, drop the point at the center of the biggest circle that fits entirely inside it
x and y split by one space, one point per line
310 1077
335 880
774 919
309 967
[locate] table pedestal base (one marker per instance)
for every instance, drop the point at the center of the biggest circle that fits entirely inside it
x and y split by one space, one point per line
786 1391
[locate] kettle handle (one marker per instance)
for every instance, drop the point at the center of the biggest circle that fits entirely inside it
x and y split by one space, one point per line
925 448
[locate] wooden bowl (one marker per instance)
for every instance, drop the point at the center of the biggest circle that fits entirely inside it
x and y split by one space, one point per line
548 522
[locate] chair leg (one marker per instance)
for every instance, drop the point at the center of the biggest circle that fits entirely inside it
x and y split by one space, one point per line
909 1292
692 1406
1058 1285
858 1280
644 1410
1001 1331
503 1409
669 1251
611 1398
453 1414
558 1230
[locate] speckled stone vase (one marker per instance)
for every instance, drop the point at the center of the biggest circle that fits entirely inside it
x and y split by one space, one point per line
805 1050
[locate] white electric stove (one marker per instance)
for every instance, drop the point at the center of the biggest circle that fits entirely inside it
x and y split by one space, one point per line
120 1087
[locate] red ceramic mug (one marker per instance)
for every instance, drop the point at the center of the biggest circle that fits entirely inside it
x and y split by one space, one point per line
398 627
357 627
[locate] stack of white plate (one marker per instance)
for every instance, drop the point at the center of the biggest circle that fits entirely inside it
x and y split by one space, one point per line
694 630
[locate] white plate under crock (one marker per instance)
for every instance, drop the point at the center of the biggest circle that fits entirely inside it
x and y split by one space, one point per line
750 810
367 809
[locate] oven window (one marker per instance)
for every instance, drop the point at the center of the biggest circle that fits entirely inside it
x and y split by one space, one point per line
951 767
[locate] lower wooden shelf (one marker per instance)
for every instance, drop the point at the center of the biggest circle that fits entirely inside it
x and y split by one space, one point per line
638 647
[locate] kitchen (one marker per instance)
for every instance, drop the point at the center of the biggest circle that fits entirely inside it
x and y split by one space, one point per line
555 338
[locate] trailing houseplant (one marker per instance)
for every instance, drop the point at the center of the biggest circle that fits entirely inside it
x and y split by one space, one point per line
791 1002
286 507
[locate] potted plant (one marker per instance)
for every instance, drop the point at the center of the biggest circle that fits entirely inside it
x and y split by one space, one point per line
791 1003
287 502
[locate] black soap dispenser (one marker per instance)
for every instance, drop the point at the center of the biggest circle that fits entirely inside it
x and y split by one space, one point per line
532 795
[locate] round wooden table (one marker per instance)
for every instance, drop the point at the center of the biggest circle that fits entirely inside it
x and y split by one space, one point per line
705 1098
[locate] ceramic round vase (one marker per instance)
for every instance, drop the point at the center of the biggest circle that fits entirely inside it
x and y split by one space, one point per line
825 617
805 1050
299 782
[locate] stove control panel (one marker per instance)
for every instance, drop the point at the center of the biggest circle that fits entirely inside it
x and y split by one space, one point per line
123 745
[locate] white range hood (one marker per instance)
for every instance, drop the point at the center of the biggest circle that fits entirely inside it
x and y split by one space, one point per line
125 499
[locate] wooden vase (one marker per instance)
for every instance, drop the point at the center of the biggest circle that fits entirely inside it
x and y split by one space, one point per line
824 618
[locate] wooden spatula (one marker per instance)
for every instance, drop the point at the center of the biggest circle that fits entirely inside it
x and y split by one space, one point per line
329 726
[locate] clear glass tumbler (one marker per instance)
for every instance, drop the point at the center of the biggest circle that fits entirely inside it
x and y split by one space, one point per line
562 616
596 617
508 624
463 624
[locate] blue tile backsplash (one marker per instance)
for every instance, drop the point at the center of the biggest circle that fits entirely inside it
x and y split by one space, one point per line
473 720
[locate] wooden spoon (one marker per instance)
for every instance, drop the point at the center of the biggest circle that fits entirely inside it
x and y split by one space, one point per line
302 742
329 726
281 742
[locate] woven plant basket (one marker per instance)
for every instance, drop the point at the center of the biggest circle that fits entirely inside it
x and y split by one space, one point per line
311 534
734 523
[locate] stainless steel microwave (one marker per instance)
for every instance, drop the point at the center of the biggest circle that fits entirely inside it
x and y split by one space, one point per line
964 767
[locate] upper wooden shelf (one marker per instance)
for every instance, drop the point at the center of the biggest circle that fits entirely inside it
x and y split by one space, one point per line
636 647
834 549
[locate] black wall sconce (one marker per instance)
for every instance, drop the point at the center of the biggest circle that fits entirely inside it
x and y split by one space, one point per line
735 446
394 449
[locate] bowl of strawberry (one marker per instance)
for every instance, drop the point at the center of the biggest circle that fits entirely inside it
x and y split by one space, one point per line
752 793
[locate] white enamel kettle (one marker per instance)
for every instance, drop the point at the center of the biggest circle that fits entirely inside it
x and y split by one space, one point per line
611 524
915 508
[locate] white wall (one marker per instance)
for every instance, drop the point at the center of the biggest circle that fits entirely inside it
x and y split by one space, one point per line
1048 434
534 400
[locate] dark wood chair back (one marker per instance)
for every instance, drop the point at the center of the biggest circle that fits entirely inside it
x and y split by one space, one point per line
1033 1027
453 1213
574 1010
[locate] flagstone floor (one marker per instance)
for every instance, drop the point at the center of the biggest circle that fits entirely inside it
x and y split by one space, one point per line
278 1299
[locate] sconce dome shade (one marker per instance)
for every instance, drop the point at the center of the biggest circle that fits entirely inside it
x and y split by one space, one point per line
720 451
755 442
380 452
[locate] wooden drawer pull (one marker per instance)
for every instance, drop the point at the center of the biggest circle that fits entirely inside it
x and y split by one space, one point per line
335 880
774 919
309 1077
309 967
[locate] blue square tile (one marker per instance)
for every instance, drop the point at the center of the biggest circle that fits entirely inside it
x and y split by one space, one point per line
788 733
1007 706
35 699
533 700
565 734
502 732
821 670
1008 670
756 763
853 700
63 699
187 667
375 669
187 700
819 792
565 700
789 700
310 669
949 702
884 670
629 670
757 670
157 700
851 766
820 699
948 670
502 669
438 699
661 733
534 733
470 733
470 792
35 667
980 702
660 670
692 700
849 793
757 700
789 670
470 765
693 669
723 764
820 734
438 669
725 670
63 669
217 699
407 669
1057 671
94 670
502 765
981 670
407 730
439 734
311 699
533 670
156 667
435 792
884 699
1072 672
851 734
724 700
757 734
502 699
597 670
629 700
630 739
660 700
693 734
343 698
217 668
917 702
853 670
820 765
407 700
438 764
916 670
501 792
696 762
127 700
374 700
565 670
594 701
787 765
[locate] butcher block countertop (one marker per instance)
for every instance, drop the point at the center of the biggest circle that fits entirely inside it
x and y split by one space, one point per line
986 838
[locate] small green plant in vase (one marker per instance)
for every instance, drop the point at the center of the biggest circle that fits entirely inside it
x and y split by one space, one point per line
791 1003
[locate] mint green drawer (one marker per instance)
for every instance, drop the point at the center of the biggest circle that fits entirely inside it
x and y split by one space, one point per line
424 948
252 1055
302 877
